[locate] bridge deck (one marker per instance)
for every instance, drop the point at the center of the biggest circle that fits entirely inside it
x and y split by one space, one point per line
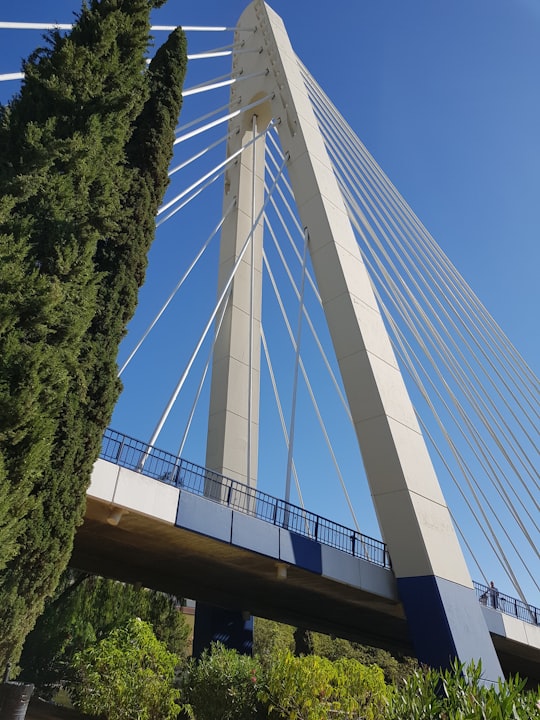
137 529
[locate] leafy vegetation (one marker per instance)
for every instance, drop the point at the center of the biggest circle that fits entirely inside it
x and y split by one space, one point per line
84 610
459 694
84 153
221 684
92 641
396 668
270 637
225 685
127 676
315 688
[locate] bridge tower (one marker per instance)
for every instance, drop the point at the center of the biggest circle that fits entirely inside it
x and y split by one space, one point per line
443 614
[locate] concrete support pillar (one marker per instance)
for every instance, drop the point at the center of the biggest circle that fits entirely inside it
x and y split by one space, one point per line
232 445
232 628
434 583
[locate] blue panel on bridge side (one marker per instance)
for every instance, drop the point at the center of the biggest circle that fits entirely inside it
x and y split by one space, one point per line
300 551
445 622
204 516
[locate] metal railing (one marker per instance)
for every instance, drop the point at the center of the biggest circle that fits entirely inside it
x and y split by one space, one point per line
165 467
492 598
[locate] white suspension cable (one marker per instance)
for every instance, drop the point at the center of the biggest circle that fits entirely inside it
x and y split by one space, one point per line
8 25
251 296
12 76
181 128
182 380
359 151
415 327
210 55
221 120
451 359
458 457
176 288
222 81
485 527
307 315
281 415
191 197
203 376
295 373
198 182
197 156
522 428
295 221
311 393
449 318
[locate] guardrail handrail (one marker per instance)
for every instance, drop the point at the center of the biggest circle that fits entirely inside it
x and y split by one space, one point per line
168 468
491 597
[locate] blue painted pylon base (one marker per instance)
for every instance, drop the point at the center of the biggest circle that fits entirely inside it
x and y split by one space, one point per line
445 622
232 628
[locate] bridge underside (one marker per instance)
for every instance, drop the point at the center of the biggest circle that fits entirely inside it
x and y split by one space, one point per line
188 564
142 549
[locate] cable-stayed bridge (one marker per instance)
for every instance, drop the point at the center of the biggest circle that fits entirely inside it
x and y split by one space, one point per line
324 272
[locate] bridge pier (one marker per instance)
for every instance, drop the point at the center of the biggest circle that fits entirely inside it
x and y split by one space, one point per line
232 628
445 622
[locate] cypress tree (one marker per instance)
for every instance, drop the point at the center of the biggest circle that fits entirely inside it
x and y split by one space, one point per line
84 152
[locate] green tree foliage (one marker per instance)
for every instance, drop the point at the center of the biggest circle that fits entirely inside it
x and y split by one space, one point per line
315 688
396 668
224 685
84 151
84 610
127 676
270 637
460 694
221 685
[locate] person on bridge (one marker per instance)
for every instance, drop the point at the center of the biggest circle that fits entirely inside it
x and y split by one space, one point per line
493 595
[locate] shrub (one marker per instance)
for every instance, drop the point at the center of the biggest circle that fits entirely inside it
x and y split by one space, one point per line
461 694
315 688
129 675
221 685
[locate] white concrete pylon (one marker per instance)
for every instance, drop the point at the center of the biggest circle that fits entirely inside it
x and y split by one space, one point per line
433 579
232 447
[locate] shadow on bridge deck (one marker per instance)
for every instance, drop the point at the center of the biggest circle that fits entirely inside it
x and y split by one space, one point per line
144 550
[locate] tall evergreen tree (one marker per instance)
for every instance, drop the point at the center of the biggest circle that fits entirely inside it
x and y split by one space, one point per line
84 152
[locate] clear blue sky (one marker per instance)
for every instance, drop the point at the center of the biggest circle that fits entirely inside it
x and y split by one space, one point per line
445 95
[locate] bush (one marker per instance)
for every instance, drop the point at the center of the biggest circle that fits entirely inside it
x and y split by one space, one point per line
315 688
129 675
460 694
221 685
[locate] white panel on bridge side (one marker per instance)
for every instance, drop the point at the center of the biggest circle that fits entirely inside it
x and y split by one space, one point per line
131 490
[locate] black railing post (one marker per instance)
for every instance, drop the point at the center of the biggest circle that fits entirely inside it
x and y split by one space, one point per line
120 448
353 543
317 528
274 519
229 493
